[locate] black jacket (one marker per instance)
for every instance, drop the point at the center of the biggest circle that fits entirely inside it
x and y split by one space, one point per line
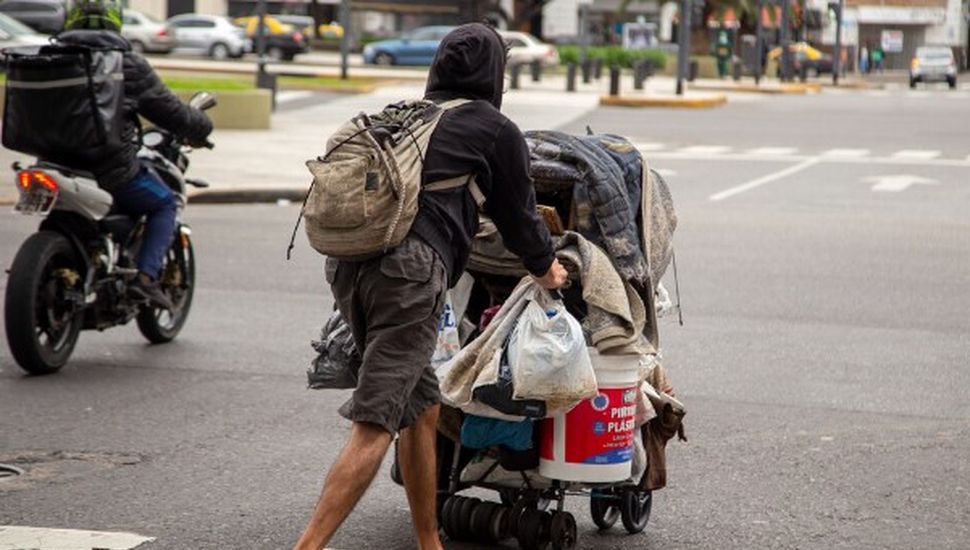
477 138
145 95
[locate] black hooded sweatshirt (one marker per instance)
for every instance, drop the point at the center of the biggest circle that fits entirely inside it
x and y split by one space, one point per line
477 138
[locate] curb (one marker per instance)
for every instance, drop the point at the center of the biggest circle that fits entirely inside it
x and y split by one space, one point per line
661 101
782 89
248 195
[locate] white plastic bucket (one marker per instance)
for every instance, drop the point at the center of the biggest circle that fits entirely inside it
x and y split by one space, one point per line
593 442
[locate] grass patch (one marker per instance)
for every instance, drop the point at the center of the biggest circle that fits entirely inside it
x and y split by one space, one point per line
332 83
208 83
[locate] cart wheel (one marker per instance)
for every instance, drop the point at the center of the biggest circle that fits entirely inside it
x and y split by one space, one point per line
444 518
499 524
603 509
481 521
515 515
465 516
562 531
508 496
533 530
635 510
453 519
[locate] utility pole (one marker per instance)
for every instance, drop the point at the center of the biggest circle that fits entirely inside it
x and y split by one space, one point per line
837 57
264 80
683 48
759 44
345 39
784 40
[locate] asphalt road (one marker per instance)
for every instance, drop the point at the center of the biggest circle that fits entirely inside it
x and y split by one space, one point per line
823 359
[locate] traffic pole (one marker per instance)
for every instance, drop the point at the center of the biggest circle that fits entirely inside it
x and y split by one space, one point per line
759 45
683 48
786 66
345 39
837 58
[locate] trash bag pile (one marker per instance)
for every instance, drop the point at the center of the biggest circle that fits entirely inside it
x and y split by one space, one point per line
511 353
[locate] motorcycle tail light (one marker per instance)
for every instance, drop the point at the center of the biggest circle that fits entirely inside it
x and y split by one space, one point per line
27 178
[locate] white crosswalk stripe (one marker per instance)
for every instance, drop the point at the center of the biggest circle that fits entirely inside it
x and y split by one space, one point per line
705 150
844 153
915 154
649 146
773 151
14 537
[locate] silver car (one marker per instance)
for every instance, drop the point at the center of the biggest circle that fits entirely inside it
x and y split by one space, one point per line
933 64
13 33
209 35
147 34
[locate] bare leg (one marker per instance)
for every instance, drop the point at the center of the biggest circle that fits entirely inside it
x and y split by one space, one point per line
418 467
346 482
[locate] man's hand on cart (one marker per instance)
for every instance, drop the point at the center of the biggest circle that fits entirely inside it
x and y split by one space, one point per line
554 278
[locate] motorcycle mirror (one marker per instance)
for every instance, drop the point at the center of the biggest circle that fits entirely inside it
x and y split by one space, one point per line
152 139
203 101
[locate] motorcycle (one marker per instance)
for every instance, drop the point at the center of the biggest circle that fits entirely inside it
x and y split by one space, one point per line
73 274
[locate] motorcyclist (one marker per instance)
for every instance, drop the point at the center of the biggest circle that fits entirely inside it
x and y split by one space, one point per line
136 188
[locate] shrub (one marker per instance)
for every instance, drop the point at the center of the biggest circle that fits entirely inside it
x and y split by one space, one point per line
614 55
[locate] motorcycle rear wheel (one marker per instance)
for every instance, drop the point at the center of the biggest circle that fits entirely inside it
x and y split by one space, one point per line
177 280
42 327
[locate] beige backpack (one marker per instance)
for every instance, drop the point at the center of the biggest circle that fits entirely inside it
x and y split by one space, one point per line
364 195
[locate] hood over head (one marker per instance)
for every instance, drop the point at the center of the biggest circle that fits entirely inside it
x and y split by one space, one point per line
470 63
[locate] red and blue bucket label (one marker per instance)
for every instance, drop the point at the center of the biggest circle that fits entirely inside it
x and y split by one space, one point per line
599 430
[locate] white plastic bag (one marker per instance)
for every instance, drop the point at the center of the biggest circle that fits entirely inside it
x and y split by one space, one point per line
448 340
548 355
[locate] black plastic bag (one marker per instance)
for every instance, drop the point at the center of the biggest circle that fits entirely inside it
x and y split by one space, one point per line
338 361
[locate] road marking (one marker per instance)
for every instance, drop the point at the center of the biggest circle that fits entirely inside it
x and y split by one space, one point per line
895 183
665 172
14 537
916 154
704 150
771 151
287 96
845 153
763 180
649 146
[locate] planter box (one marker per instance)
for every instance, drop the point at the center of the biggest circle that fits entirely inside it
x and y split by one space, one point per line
237 110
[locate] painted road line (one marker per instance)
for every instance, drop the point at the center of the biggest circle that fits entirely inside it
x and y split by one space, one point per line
665 172
704 150
845 153
774 176
649 146
915 154
895 183
773 151
14 537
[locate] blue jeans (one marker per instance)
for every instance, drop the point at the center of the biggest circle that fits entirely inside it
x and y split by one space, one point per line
147 195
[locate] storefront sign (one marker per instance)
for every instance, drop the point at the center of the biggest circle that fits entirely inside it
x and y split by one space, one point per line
892 41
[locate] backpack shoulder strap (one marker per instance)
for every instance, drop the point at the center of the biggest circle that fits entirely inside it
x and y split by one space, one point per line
459 181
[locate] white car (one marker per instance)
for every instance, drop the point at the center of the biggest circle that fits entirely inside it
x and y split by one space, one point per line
525 48
13 33
146 34
933 64
209 35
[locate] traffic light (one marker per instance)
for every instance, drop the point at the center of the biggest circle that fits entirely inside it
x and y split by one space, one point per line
833 11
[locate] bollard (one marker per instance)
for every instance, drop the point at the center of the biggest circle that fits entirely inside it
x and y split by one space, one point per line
803 73
597 69
587 67
614 80
536 70
267 81
737 70
516 68
694 69
571 77
639 74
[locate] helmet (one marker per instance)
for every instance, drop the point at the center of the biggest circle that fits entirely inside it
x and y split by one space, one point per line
94 14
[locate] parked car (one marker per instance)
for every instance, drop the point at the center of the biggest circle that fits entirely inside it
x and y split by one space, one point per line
283 41
525 48
45 16
146 34
933 64
13 33
331 30
302 23
209 35
414 48
815 61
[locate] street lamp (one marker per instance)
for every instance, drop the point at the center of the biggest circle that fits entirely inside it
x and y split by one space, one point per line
345 38
683 48
837 7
